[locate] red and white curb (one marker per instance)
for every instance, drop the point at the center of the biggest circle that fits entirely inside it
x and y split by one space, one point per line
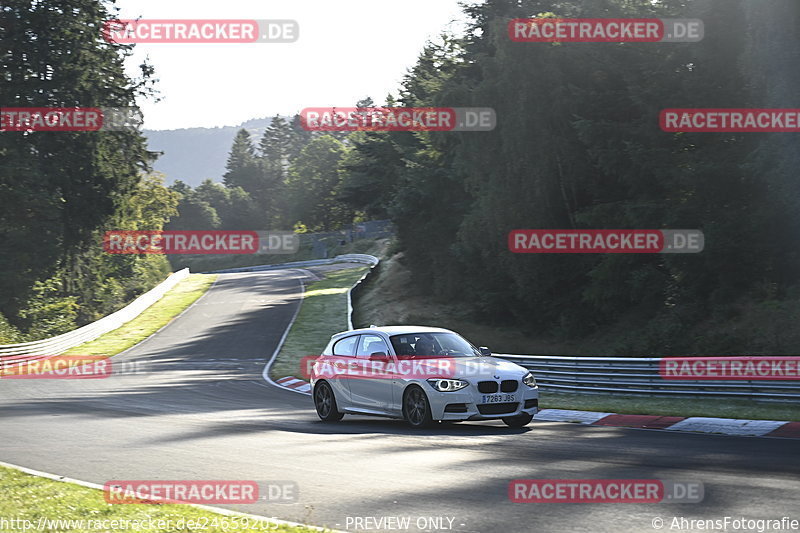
293 383
695 424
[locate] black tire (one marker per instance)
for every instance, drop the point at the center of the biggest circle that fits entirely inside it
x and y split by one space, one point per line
325 403
518 421
416 408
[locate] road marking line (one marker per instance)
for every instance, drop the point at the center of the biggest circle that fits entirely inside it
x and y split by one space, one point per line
265 372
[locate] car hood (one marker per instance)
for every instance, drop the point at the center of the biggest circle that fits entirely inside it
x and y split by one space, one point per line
486 368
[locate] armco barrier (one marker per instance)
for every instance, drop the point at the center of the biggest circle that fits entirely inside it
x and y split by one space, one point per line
359 284
14 353
346 258
620 375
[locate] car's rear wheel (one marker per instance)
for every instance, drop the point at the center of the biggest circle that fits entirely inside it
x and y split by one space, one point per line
325 403
416 408
518 421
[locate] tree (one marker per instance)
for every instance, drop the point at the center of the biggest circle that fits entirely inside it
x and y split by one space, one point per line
195 213
58 188
313 183
241 168
275 152
236 208
577 145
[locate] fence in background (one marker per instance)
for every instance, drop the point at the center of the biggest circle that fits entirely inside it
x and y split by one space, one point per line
322 244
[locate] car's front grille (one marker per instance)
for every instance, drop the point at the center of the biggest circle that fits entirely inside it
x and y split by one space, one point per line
497 408
531 403
487 387
509 385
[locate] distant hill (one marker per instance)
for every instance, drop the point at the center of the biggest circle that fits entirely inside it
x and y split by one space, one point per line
194 154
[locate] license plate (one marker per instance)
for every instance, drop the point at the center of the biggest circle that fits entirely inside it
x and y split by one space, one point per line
498 398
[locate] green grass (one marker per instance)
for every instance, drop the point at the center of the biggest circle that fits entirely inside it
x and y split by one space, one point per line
323 313
151 320
640 405
28 497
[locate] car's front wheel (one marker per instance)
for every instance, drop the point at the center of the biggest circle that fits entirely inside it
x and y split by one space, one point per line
518 421
325 403
416 409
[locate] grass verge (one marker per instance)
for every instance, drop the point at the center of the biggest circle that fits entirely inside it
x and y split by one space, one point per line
151 320
204 263
323 313
33 498
640 405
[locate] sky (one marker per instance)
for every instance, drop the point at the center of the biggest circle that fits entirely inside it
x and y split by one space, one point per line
347 50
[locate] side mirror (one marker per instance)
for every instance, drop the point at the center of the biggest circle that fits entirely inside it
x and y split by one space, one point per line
379 356
485 351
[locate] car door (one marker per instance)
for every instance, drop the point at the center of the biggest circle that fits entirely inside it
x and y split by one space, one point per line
342 350
373 389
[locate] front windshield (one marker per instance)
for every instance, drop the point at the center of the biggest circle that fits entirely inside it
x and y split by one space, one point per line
432 345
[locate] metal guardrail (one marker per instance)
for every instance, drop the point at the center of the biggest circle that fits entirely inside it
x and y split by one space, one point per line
27 351
11 354
641 376
373 262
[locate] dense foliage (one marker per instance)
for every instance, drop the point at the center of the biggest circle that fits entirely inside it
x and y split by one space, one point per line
578 145
60 190
291 179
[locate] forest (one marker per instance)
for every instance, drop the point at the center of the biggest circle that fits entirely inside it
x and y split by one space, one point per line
577 145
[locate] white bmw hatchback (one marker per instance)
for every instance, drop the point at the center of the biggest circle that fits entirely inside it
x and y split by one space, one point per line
420 374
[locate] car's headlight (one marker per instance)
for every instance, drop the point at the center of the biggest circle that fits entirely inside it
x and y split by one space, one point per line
447 385
529 380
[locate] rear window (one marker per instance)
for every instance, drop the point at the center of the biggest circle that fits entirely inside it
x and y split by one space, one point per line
346 346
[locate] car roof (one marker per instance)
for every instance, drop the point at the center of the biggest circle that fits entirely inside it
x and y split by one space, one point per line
393 330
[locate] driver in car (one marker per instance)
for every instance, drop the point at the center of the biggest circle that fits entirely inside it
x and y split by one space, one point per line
425 346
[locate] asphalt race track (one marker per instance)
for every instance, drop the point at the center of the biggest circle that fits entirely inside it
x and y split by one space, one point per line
201 410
